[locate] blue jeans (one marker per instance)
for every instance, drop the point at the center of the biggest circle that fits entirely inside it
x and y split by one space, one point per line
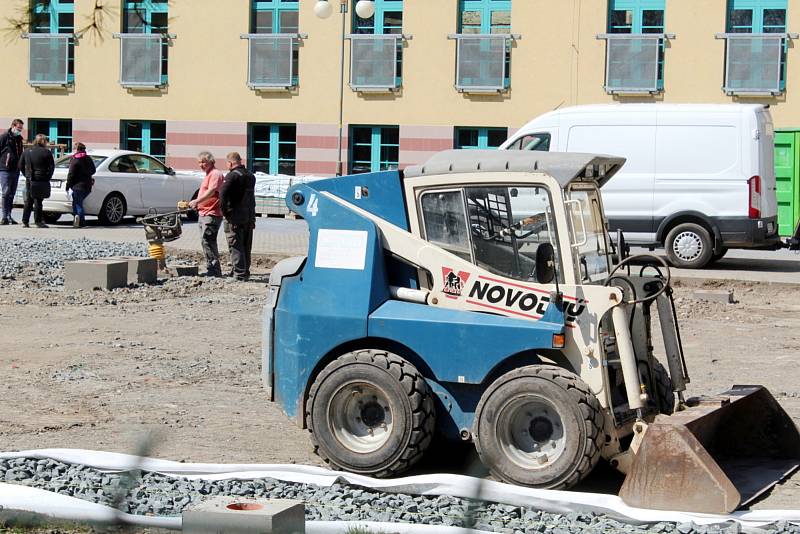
8 181
77 204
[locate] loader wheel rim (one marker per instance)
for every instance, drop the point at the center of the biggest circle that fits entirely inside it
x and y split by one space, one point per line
687 246
361 417
531 432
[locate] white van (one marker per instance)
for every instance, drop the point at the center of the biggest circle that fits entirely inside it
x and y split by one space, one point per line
699 178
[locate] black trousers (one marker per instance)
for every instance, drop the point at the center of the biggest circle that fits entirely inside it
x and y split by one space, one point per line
31 204
240 245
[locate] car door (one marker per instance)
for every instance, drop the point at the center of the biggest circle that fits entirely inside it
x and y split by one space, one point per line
160 189
122 177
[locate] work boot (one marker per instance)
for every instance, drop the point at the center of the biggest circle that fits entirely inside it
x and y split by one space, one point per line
4 222
41 225
25 224
12 221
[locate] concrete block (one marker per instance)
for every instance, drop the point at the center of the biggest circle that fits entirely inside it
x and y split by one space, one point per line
243 515
140 270
184 270
95 274
724 296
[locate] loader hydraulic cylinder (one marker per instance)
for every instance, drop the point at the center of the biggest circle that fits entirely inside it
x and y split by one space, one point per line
672 344
627 357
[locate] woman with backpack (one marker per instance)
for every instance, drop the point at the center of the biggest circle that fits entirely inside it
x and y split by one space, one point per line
80 181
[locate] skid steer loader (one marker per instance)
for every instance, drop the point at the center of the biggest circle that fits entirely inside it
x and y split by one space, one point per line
475 296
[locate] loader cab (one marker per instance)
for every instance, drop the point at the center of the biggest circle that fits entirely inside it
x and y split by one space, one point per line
536 225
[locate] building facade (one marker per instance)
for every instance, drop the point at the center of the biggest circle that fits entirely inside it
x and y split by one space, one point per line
262 77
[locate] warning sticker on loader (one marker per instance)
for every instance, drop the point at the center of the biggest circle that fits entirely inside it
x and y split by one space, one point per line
454 283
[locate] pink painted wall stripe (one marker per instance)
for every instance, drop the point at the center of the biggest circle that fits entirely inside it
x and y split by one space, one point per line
209 139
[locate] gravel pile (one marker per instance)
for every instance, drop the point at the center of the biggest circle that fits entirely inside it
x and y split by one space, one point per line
155 494
42 260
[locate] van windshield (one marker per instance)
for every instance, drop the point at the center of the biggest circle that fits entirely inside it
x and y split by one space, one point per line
589 243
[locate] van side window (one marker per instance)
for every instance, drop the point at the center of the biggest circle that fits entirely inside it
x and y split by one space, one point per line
538 141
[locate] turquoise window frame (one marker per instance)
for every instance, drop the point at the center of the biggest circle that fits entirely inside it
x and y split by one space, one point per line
54 8
376 25
147 138
149 8
481 136
637 8
50 128
757 24
277 7
486 8
275 142
376 145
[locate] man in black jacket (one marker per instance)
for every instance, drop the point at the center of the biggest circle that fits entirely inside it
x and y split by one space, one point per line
38 166
238 202
10 154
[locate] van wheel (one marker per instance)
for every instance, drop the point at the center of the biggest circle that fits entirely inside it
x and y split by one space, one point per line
539 426
689 246
370 412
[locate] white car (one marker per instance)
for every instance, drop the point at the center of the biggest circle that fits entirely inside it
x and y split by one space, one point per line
126 183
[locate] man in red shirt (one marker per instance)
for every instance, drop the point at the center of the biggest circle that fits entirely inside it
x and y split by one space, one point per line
208 207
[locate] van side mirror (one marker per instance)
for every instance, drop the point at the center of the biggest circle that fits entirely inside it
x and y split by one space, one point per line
545 263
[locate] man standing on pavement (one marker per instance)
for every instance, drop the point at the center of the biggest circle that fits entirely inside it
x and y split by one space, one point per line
238 201
208 207
10 154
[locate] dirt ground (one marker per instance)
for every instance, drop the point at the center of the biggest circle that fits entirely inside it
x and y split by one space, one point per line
180 362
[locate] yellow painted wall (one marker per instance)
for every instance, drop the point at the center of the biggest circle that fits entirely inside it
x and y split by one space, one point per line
558 62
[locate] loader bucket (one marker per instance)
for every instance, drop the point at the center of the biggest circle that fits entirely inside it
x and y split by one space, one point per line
717 455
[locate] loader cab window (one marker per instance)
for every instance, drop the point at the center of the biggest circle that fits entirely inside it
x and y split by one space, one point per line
497 228
539 142
589 243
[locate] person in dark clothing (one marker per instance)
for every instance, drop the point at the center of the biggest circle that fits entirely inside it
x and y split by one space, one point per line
10 154
238 201
37 165
80 181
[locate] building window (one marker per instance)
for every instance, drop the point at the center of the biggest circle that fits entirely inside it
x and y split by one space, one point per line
147 58
58 130
484 45
755 60
481 138
272 148
273 51
635 64
48 54
374 148
377 47
149 137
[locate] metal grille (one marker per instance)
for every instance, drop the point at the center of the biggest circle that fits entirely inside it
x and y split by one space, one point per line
49 59
271 61
373 61
753 63
140 59
481 64
632 64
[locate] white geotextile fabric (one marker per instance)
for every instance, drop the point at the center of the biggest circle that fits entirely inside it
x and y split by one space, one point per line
561 502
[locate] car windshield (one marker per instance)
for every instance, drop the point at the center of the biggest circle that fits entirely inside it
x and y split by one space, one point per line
63 163
588 234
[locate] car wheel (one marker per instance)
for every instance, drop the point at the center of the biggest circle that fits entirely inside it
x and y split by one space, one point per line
539 426
51 217
113 209
370 412
689 246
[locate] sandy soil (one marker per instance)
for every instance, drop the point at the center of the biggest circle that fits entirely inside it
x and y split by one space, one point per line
179 362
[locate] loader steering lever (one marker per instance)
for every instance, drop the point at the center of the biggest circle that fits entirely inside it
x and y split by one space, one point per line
650 257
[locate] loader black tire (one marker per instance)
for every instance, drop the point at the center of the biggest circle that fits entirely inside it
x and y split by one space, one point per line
342 414
537 399
663 389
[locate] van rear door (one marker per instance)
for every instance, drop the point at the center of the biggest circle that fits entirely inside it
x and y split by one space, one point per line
765 140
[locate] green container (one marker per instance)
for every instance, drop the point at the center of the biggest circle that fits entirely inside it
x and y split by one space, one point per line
787 175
